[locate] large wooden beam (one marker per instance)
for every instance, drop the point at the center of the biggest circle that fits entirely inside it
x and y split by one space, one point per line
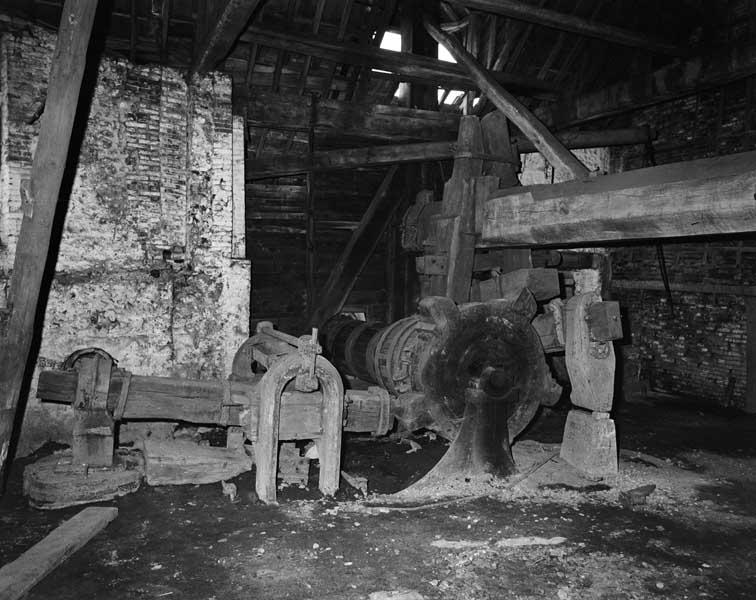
602 138
667 83
349 158
336 119
372 156
702 197
48 166
522 11
407 67
230 20
545 141
356 253
339 120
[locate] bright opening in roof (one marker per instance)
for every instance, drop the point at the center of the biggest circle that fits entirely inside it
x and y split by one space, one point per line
451 97
392 41
443 54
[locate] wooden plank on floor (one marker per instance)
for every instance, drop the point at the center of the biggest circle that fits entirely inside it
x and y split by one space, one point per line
20 576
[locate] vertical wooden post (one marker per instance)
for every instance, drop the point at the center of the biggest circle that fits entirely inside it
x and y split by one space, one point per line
750 393
49 163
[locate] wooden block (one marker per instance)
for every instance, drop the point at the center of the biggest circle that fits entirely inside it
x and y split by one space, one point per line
542 283
178 462
545 326
292 468
235 438
489 289
604 322
590 443
55 482
93 440
507 260
20 576
590 364
431 264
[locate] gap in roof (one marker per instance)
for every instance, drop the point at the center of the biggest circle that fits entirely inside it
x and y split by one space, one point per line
392 40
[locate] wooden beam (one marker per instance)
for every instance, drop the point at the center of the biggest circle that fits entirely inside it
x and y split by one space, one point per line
48 167
231 20
357 252
575 140
409 67
20 576
702 197
371 156
565 22
201 401
339 119
667 83
348 159
548 145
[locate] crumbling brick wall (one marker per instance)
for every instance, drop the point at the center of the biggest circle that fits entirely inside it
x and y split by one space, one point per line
145 268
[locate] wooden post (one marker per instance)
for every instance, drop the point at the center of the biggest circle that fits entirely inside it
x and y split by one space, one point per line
546 142
49 164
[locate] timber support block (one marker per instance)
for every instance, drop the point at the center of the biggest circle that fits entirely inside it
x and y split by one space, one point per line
93 431
590 443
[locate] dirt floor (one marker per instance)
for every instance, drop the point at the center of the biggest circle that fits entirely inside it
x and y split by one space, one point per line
551 535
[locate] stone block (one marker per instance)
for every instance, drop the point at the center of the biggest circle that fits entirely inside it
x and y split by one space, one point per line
590 443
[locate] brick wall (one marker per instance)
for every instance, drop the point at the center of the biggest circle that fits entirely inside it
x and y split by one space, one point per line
145 268
699 349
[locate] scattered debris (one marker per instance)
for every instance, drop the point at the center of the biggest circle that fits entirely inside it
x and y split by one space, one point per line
458 544
414 446
396 595
490 491
519 542
643 458
357 482
229 489
637 495
311 451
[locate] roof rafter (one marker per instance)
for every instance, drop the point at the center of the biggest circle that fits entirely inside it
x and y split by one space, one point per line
410 67
572 23
232 18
